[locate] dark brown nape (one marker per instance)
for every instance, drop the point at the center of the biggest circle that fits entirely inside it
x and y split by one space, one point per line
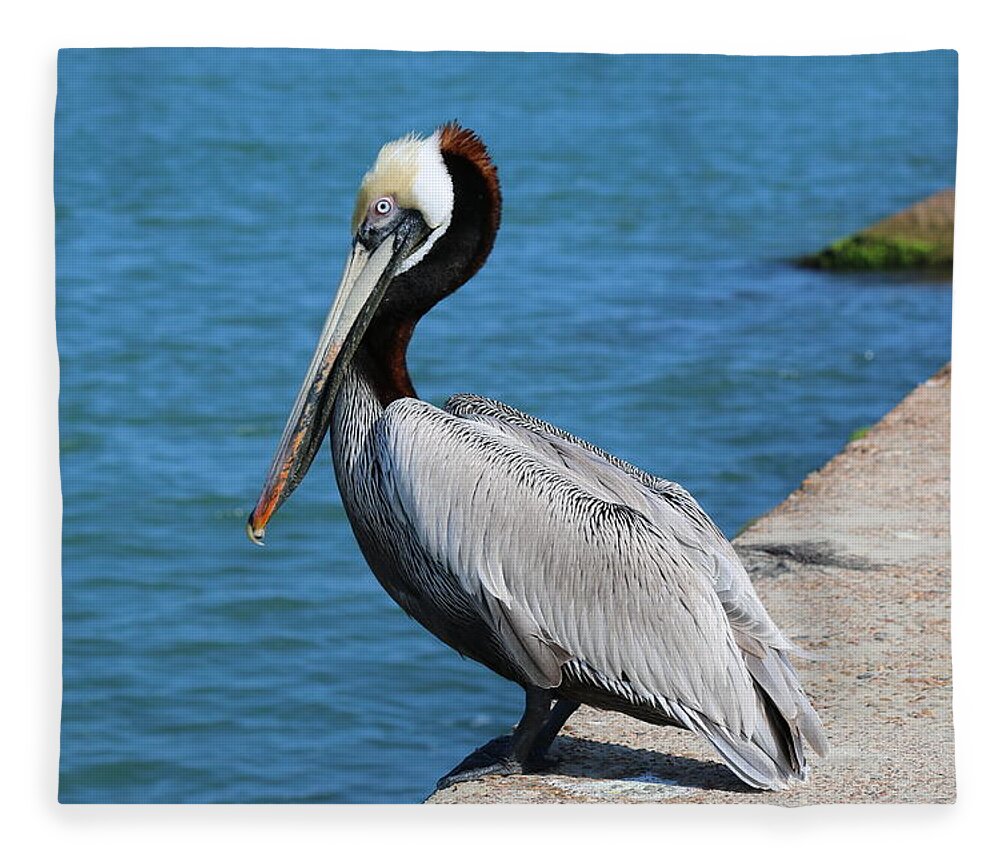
457 255
463 143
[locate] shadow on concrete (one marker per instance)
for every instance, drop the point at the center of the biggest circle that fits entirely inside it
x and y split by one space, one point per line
589 759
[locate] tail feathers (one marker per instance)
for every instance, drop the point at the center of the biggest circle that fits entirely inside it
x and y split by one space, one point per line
773 756
768 759
778 681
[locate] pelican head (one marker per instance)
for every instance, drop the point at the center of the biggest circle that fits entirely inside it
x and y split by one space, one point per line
424 222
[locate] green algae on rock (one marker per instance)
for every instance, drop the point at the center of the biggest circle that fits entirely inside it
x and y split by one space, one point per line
870 252
921 236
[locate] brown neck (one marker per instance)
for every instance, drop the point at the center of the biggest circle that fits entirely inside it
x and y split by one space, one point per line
386 344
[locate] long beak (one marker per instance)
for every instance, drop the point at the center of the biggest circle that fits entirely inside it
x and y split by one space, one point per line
362 286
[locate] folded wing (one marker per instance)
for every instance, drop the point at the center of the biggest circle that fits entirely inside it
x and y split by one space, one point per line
581 561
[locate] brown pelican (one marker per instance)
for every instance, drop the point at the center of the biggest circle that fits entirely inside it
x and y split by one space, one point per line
562 568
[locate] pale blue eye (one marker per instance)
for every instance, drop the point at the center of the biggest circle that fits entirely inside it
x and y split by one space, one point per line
383 206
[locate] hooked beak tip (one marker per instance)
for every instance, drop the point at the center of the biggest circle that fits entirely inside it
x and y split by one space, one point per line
256 535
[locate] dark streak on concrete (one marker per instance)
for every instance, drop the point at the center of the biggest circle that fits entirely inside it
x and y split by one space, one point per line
816 553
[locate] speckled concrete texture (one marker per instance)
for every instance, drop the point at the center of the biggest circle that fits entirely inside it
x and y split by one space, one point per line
854 566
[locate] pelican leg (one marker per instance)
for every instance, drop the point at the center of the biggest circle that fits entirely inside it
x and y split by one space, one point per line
510 754
561 711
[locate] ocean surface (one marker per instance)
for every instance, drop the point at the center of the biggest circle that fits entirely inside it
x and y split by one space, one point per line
640 295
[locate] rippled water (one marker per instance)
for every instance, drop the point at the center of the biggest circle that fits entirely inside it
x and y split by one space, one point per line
638 295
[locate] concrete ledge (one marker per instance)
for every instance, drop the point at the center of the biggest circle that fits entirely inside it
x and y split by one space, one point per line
854 565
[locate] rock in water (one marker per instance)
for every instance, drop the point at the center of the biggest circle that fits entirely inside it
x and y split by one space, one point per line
920 236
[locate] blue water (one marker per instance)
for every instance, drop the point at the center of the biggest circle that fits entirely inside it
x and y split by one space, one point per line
638 295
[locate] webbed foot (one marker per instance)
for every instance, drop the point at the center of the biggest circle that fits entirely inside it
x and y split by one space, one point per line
524 751
494 758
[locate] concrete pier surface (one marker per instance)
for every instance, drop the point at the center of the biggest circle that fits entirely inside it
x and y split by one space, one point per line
854 566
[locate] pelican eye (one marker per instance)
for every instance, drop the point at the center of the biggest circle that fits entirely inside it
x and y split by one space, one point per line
383 206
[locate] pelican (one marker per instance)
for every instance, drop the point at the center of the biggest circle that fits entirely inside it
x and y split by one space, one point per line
560 567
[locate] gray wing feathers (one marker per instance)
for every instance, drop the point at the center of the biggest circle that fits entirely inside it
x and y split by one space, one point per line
762 643
666 503
581 560
569 573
